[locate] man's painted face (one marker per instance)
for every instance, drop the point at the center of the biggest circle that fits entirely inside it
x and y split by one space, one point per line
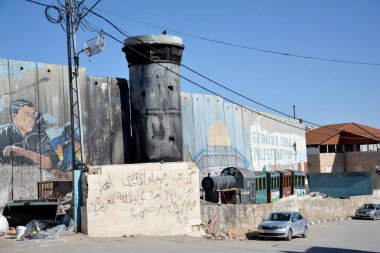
24 120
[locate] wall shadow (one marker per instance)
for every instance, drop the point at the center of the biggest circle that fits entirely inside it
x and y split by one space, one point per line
330 250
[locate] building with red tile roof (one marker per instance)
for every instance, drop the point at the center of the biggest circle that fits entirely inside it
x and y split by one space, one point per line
343 147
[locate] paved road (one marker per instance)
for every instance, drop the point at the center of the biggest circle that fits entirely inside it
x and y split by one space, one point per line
349 236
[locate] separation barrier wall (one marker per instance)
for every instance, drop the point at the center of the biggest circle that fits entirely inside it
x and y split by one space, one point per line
219 134
35 142
216 134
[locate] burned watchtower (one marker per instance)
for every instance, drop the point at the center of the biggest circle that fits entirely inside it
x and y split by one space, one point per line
154 62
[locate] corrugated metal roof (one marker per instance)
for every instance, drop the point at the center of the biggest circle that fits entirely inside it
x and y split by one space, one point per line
346 133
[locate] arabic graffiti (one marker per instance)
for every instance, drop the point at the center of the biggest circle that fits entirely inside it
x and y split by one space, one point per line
147 194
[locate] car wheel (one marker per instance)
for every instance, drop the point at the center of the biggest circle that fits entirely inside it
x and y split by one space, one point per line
305 232
374 217
290 235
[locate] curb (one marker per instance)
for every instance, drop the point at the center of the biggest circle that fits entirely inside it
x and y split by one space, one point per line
329 220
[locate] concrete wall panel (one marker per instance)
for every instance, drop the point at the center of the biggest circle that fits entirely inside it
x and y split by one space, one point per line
116 86
4 93
97 119
188 125
199 134
141 199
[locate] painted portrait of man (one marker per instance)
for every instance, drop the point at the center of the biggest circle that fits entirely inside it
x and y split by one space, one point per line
25 141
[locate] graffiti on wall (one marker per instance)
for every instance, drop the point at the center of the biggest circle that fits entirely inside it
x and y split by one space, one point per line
148 198
276 150
24 141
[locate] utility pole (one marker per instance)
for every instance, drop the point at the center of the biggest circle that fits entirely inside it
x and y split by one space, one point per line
92 47
75 115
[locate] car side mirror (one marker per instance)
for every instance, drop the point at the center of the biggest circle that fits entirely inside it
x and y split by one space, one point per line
294 220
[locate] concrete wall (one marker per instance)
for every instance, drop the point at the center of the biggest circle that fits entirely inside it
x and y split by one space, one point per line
362 161
46 86
247 217
313 163
344 162
141 199
218 134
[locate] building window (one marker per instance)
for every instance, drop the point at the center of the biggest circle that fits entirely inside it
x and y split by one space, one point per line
323 149
340 148
331 149
349 148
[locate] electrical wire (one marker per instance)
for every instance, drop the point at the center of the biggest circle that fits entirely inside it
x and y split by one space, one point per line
200 86
58 20
35 2
230 90
242 46
227 99
50 18
196 72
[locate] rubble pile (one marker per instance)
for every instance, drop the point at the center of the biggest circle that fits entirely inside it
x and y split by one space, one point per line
222 234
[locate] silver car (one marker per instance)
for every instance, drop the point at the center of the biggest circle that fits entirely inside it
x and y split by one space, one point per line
283 225
368 211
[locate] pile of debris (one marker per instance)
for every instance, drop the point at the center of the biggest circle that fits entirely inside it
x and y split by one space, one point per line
318 195
223 234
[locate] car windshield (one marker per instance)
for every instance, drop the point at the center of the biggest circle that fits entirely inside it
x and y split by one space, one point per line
368 206
279 217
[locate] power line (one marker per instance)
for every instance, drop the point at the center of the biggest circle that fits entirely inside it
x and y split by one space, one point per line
46 5
227 99
194 71
209 79
270 108
200 86
243 46
190 69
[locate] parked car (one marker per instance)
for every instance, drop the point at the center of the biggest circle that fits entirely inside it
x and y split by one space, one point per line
283 225
368 211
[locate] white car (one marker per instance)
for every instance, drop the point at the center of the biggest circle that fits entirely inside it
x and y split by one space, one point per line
283 225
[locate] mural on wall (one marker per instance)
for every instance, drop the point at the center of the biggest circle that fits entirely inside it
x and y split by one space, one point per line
219 152
218 134
25 141
35 141
62 145
276 150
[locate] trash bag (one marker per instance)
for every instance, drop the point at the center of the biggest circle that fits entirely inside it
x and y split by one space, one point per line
45 229
4 226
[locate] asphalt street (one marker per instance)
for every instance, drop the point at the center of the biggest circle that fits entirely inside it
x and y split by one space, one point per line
348 236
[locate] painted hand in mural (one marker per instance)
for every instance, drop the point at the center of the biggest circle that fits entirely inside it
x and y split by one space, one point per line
42 160
13 150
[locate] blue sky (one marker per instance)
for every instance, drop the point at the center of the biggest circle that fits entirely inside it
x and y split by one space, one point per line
323 92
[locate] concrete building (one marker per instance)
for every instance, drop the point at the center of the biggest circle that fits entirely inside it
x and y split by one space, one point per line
348 147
